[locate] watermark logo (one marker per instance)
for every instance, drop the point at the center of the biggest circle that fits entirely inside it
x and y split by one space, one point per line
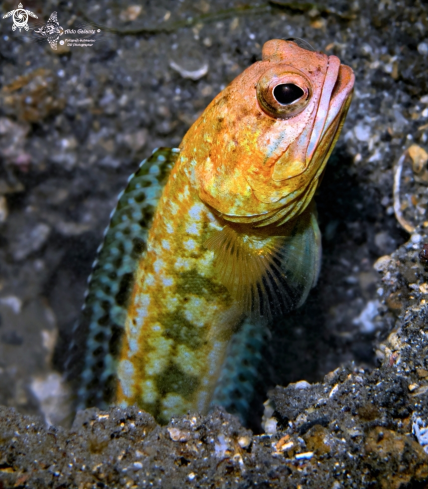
83 36
51 31
20 17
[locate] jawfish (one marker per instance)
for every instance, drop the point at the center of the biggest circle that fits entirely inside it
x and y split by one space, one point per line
216 235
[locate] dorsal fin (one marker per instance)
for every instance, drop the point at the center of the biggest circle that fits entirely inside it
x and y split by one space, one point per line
269 275
96 337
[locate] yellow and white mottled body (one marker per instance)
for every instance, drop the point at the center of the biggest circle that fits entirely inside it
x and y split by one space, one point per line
180 316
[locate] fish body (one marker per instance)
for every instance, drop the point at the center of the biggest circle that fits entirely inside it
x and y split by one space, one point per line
232 234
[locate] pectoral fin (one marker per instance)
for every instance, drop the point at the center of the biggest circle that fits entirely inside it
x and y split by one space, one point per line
302 255
269 275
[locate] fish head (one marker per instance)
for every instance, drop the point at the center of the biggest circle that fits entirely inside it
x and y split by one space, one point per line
260 147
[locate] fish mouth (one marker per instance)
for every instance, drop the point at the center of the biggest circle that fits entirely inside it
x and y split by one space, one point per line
335 100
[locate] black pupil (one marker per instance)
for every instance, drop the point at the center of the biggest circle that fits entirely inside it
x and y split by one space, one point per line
287 94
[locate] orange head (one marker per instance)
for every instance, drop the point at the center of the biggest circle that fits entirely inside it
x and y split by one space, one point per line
260 147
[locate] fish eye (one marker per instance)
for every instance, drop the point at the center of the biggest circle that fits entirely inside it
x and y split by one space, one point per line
283 92
287 93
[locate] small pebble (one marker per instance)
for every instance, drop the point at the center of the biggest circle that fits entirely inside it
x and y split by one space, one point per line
304 456
192 74
178 435
423 48
362 133
423 254
418 156
423 288
244 441
382 263
270 426
422 372
283 441
131 13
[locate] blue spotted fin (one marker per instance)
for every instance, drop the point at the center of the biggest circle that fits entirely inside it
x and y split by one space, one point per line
269 273
92 362
240 372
